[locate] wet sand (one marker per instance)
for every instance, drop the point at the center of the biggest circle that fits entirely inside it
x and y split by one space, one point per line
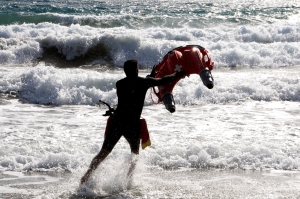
26 184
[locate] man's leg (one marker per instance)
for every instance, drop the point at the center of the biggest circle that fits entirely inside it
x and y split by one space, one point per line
94 164
133 138
111 138
133 162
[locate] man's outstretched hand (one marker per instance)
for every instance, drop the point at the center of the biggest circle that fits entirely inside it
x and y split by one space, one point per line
180 74
153 72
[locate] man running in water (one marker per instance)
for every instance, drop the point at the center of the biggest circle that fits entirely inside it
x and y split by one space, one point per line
131 92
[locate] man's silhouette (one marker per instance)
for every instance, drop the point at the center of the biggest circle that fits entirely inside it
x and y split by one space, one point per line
131 92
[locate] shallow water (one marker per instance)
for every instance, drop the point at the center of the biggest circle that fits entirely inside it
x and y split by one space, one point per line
187 147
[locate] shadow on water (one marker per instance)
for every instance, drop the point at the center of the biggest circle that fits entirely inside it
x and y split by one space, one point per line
98 54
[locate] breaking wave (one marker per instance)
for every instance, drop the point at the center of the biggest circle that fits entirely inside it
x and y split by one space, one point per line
49 85
260 46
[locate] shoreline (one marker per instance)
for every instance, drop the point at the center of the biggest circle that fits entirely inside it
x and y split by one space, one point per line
159 183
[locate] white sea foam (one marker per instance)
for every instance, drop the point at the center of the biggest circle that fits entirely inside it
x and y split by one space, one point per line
249 135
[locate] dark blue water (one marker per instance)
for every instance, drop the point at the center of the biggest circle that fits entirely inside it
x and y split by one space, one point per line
161 12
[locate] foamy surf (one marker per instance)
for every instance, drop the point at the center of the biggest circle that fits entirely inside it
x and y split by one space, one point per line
242 46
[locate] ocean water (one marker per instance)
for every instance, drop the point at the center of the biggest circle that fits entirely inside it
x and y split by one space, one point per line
238 140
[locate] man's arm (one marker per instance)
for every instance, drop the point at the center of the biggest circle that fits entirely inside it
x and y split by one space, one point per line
166 79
